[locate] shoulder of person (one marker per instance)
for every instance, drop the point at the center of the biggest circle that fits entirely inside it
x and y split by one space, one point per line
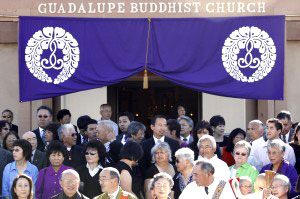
130 195
56 196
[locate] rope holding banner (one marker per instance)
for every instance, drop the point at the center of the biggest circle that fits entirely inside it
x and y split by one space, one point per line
146 80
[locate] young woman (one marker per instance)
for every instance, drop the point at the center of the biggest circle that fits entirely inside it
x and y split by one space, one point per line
22 187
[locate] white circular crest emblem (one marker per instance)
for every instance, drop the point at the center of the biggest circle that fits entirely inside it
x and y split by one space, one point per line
249 38
53 39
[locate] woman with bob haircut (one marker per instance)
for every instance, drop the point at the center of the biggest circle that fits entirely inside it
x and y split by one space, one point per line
161 186
22 187
21 153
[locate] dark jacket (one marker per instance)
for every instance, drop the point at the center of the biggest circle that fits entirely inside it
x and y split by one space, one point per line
41 145
5 158
75 157
40 159
62 195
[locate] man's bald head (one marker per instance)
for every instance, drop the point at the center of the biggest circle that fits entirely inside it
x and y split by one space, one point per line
30 137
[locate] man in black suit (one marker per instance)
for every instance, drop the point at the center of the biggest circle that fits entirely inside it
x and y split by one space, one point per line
159 128
8 116
68 137
81 123
38 158
5 158
287 133
44 117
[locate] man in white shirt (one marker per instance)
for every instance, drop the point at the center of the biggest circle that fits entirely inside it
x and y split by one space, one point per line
206 185
186 124
260 155
207 148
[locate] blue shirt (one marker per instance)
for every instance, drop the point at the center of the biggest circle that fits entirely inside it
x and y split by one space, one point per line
11 171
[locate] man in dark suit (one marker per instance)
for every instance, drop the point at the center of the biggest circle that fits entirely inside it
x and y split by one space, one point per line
5 158
159 128
44 117
38 158
287 131
68 137
81 123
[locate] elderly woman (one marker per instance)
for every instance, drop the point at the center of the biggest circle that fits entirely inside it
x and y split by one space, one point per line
161 186
207 148
202 128
22 187
47 184
89 174
187 125
131 153
4 129
281 187
9 140
241 167
245 185
184 165
161 158
276 150
22 153
136 131
236 135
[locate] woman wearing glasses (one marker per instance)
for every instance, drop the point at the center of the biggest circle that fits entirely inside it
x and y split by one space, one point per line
22 153
47 184
89 173
241 167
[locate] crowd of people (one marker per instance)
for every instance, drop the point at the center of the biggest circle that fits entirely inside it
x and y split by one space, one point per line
182 159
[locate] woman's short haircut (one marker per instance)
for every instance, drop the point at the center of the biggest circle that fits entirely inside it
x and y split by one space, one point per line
185 154
187 119
56 147
217 120
277 143
25 146
209 138
6 136
53 127
297 129
14 184
95 144
243 144
134 128
284 181
162 175
161 146
132 151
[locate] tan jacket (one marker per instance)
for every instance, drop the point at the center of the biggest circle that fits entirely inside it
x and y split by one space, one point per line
124 194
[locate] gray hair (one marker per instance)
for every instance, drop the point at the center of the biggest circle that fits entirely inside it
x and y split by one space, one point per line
107 124
162 175
186 154
187 119
134 127
277 143
69 171
284 181
205 166
63 129
113 172
207 138
243 144
244 179
260 124
161 146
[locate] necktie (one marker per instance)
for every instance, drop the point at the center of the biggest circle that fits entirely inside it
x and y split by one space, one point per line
284 138
184 139
44 136
206 190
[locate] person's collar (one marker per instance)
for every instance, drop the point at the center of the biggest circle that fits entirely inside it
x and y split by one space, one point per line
33 152
41 129
187 138
72 197
114 194
88 166
162 139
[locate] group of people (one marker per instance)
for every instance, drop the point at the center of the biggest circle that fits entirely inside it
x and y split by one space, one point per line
104 160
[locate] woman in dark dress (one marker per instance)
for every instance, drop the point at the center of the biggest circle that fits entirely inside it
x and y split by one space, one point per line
89 174
130 181
296 146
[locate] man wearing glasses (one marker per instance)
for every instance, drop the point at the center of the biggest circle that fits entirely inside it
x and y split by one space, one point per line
44 117
8 116
109 180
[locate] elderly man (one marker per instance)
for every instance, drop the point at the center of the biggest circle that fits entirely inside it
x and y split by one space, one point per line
207 148
69 183
106 112
287 131
206 185
109 179
38 158
260 155
187 125
106 133
68 137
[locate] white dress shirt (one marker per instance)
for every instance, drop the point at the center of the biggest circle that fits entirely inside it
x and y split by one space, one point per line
286 137
162 139
94 171
221 169
114 194
192 190
187 138
261 158
256 143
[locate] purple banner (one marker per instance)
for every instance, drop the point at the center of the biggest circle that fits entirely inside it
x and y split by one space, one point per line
238 57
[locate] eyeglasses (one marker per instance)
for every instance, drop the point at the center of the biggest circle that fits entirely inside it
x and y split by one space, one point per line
73 134
276 187
205 147
43 116
242 154
16 150
247 187
102 180
90 153
4 116
5 128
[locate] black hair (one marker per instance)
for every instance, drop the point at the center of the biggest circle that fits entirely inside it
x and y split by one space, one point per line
88 122
132 151
56 146
2 124
26 147
6 136
216 121
153 120
53 127
203 124
297 129
14 184
82 120
232 135
45 108
127 114
276 122
284 115
95 144
7 110
174 125
61 113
